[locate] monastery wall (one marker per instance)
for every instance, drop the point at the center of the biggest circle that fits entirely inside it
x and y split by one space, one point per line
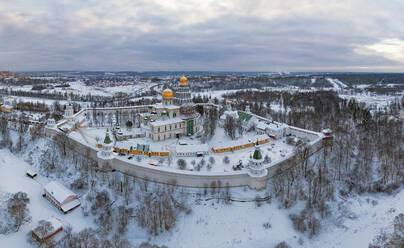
178 177
193 178
75 145
303 133
280 166
203 179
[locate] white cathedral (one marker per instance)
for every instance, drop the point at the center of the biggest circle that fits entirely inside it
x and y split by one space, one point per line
174 117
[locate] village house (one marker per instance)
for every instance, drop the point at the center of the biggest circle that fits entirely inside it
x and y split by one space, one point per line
61 197
44 232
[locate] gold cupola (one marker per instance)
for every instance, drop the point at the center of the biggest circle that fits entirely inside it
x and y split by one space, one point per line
183 81
167 93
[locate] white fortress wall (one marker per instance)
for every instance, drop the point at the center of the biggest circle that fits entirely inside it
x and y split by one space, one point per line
304 134
187 178
182 178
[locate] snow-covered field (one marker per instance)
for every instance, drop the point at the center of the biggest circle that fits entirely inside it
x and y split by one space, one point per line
46 101
79 88
357 221
354 224
235 225
371 100
216 93
13 180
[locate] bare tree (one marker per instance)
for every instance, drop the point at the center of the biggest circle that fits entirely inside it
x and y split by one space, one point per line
182 164
18 210
159 209
230 127
226 160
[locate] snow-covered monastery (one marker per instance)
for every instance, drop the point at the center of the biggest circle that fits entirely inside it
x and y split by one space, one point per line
174 117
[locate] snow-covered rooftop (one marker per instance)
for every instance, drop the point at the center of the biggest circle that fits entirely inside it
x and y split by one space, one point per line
192 148
167 121
240 141
271 125
56 225
58 191
162 106
70 205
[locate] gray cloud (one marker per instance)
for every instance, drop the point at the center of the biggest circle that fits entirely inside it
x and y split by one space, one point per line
231 35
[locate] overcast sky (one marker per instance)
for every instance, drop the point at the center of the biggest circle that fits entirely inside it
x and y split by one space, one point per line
220 35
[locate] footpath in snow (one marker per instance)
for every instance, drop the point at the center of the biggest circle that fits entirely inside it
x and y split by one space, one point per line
337 84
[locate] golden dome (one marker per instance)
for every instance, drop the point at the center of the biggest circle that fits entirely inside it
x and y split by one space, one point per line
183 81
167 93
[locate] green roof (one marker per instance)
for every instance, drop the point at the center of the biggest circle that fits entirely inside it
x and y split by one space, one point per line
107 139
244 116
257 154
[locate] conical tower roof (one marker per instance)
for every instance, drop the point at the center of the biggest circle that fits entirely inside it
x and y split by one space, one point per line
257 152
107 139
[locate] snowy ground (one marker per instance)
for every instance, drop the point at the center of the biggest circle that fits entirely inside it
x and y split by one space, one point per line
12 180
358 221
353 224
371 100
235 225
39 100
79 88
216 93
136 88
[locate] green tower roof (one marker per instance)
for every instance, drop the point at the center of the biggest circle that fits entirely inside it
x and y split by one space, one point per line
257 154
107 139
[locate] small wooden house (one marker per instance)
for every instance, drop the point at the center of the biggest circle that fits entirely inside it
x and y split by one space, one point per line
47 229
